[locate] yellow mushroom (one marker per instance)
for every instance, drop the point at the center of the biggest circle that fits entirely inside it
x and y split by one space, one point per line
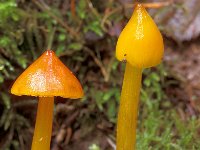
141 45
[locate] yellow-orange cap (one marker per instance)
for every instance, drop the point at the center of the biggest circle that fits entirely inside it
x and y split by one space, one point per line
140 42
47 77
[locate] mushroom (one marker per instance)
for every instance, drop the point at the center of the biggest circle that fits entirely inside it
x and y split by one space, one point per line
46 77
141 45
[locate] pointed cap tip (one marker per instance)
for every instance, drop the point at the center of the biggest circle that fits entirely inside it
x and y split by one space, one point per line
140 43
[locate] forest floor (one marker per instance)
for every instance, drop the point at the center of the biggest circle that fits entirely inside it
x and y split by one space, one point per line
82 124
183 64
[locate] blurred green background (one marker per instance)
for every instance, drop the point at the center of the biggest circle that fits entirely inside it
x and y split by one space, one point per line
83 34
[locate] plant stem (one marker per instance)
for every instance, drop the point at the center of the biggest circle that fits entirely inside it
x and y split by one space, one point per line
51 38
43 126
128 111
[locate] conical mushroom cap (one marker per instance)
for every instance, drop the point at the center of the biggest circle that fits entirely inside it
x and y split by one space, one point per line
140 42
47 77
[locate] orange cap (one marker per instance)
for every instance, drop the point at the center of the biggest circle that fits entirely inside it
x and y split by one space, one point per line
47 77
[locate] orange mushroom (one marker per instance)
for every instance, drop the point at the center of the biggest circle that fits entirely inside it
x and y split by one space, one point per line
46 77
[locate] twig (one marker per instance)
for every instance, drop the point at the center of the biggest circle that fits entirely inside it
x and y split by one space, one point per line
21 141
97 61
109 69
8 137
93 10
62 23
72 7
69 135
50 40
24 103
60 135
111 143
151 5
127 6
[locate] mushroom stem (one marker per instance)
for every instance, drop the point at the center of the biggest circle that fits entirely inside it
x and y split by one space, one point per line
128 111
43 126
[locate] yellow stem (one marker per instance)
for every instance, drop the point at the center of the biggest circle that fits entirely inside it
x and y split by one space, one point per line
128 111
43 126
